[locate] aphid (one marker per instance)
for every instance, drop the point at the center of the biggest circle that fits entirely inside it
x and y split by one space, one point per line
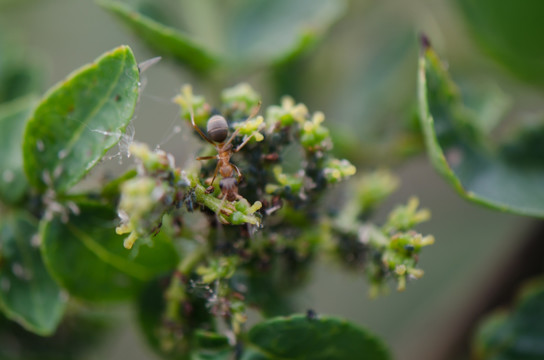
190 201
311 314
218 130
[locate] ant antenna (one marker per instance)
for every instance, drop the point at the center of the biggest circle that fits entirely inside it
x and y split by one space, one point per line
191 112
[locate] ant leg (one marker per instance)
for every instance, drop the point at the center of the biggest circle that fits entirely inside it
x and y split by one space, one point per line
232 137
197 128
252 115
207 157
238 172
256 111
221 210
243 144
210 188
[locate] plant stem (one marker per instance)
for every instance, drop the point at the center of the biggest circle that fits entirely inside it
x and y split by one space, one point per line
176 292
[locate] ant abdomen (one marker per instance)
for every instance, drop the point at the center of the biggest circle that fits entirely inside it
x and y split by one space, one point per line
217 128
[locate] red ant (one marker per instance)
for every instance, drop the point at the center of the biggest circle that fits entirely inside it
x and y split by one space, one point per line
218 130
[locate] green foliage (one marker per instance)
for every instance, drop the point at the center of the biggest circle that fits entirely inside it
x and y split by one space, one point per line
58 153
80 331
501 176
393 248
28 294
13 116
163 38
515 334
301 336
20 75
88 241
254 33
373 188
285 228
510 34
196 252
79 120
205 281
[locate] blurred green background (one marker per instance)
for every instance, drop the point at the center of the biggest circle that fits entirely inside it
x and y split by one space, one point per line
362 75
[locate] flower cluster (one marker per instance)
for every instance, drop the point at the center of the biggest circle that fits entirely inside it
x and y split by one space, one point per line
276 222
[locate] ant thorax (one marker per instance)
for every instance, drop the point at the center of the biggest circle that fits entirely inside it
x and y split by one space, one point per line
224 153
218 130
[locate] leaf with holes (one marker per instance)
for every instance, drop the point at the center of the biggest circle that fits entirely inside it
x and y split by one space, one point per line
301 337
13 117
28 294
507 177
88 259
80 119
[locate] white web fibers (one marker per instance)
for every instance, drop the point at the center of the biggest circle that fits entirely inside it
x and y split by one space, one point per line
215 303
127 138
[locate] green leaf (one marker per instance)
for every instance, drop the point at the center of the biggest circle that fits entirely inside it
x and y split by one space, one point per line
374 96
249 32
87 257
300 337
510 33
80 332
151 306
163 335
482 172
20 70
262 32
166 40
526 145
112 189
211 346
267 291
80 119
13 117
28 294
517 334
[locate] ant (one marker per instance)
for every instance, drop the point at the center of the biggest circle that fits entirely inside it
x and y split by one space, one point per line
218 130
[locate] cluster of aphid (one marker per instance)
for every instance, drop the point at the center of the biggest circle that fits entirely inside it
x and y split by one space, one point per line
280 221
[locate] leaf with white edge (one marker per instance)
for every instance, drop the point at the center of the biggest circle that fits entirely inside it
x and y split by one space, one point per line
28 294
165 39
88 259
301 337
79 119
13 118
504 177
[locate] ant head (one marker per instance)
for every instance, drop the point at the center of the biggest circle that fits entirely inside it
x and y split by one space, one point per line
217 128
